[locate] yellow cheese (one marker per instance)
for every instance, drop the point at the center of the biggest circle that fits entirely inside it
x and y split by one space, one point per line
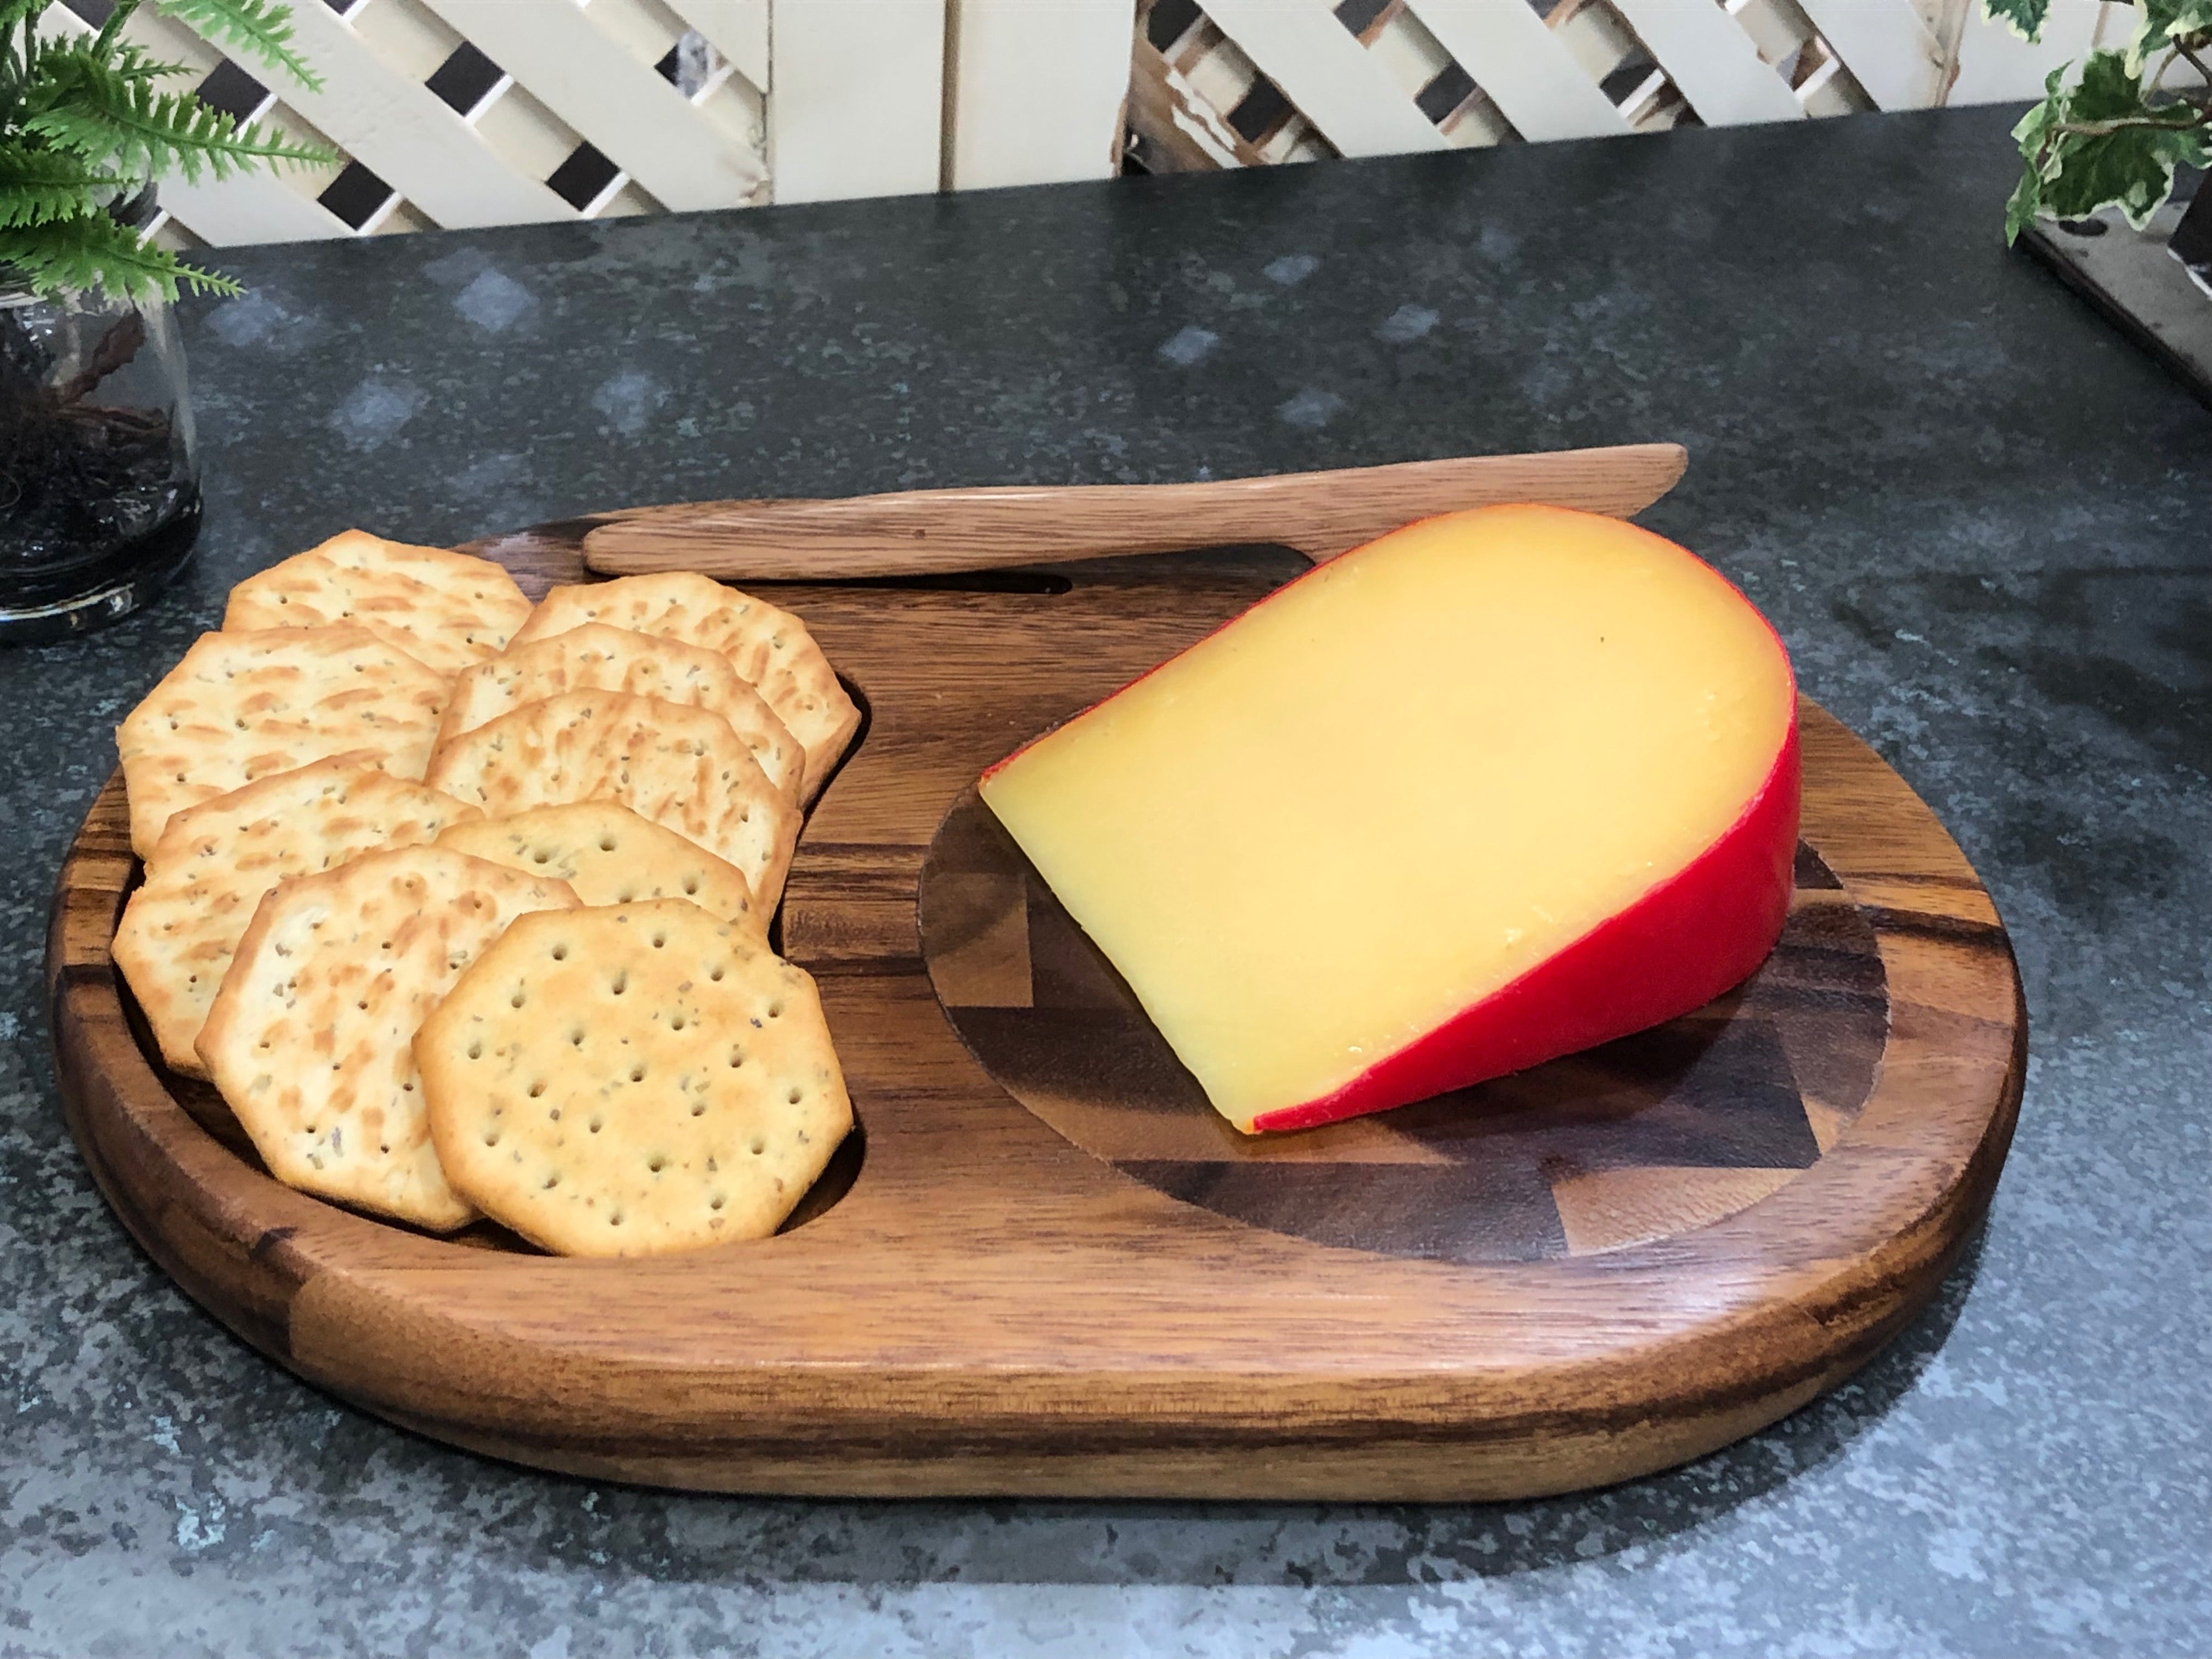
1400 785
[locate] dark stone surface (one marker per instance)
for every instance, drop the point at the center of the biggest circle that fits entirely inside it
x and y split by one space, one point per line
2139 279
1983 520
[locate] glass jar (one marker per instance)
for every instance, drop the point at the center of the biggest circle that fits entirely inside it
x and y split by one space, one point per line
100 497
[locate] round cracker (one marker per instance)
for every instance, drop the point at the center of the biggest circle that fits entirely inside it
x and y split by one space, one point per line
449 610
609 855
672 764
215 860
310 1039
631 1080
769 648
241 705
599 657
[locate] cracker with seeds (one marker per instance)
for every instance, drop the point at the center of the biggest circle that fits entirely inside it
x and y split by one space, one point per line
673 764
447 609
215 860
609 855
597 658
769 648
632 1080
310 1038
241 705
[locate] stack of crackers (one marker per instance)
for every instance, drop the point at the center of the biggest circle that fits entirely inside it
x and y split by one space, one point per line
462 903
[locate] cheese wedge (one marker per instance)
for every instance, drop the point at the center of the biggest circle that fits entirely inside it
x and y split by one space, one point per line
1497 787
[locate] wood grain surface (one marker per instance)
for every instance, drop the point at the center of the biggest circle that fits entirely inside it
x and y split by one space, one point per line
989 1300
926 531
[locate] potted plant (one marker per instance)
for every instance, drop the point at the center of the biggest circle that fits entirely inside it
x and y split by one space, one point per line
99 488
2115 137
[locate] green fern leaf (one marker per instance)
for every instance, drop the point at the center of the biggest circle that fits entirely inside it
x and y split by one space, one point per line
262 28
84 121
56 57
74 255
106 117
133 63
39 184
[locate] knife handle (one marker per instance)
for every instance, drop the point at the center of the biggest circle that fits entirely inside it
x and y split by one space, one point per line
934 532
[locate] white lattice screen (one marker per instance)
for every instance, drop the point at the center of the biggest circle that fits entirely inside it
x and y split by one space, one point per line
464 113
1236 82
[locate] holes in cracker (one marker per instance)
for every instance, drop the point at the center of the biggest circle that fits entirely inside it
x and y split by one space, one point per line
621 982
561 951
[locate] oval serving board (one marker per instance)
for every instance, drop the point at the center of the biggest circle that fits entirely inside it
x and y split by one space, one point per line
1048 1269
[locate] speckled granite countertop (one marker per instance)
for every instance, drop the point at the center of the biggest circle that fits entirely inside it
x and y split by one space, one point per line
1983 521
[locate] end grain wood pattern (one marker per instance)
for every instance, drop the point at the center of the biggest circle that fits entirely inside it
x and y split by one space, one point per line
1657 1134
990 1309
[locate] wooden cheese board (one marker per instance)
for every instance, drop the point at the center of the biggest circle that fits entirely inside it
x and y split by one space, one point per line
1044 1266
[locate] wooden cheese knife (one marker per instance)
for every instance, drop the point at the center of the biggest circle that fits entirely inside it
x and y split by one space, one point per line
930 531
